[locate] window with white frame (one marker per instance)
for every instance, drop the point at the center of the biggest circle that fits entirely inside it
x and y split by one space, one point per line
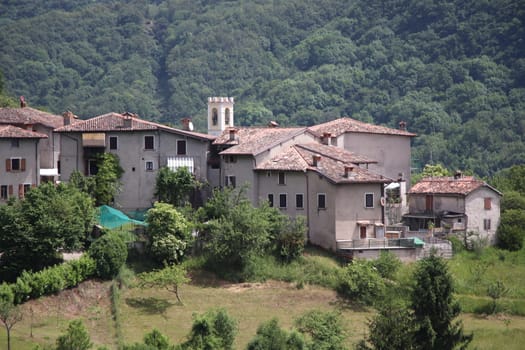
282 200
149 142
149 165
369 200
113 142
181 147
321 201
299 201
282 178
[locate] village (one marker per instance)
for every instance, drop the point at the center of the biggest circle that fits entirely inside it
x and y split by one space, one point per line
351 180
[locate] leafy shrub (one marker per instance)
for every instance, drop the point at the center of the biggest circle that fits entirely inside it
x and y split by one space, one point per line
457 244
510 232
213 330
271 336
360 281
387 264
323 330
110 253
292 238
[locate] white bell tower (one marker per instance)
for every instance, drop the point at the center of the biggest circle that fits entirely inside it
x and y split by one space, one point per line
220 114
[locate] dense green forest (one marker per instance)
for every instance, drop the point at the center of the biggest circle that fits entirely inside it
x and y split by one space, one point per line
454 70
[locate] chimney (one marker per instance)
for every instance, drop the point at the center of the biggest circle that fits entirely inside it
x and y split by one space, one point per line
316 159
273 124
232 134
348 170
22 102
68 117
402 125
326 138
186 124
127 122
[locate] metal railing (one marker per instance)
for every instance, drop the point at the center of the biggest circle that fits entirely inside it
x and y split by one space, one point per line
376 243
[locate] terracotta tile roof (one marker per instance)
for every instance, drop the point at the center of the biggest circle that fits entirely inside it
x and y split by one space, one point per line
14 132
448 185
343 125
115 122
300 158
256 140
337 153
28 115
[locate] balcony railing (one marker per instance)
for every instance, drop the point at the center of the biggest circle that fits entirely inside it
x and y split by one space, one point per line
376 243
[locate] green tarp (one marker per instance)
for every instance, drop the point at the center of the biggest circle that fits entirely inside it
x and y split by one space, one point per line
418 242
112 218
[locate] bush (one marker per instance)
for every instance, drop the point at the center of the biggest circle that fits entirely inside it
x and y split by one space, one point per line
323 330
292 238
510 232
387 264
457 244
360 281
110 253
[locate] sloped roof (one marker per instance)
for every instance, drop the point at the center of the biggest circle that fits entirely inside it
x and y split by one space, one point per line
449 185
115 122
300 158
338 153
255 140
28 115
14 132
343 125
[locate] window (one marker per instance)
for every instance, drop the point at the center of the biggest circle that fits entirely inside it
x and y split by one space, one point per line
227 116
488 203
27 187
214 116
15 164
113 142
321 201
333 141
149 142
270 199
486 224
230 159
92 167
282 200
429 203
299 201
369 200
149 165
229 180
15 143
282 178
3 192
181 147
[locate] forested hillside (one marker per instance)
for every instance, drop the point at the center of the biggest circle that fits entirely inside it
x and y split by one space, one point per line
454 70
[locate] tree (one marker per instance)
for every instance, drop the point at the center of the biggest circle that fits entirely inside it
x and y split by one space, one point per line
387 264
75 338
495 291
156 340
169 233
291 238
174 187
107 179
324 330
435 308
34 229
214 330
391 329
9 313
171 277
270 336
110 253
510 232
360 281
431 171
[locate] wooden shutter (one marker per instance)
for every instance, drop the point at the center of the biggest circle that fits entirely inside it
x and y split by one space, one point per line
488 203
8 165
21 191
23 164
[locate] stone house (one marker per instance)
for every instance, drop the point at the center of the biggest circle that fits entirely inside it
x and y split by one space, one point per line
142 148
454 204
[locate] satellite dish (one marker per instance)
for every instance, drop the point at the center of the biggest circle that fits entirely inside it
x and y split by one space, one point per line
190 126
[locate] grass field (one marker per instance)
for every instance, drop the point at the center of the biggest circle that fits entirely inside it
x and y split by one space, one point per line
253 303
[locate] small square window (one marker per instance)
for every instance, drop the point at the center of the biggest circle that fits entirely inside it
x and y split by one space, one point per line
15 164
270 199
282 200
149 165
181 147
149 142
282 178
321 201
15 143
113 142
369 200
299 202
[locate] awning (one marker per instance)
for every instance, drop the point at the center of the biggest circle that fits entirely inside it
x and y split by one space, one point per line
49 172
392 185
363 222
